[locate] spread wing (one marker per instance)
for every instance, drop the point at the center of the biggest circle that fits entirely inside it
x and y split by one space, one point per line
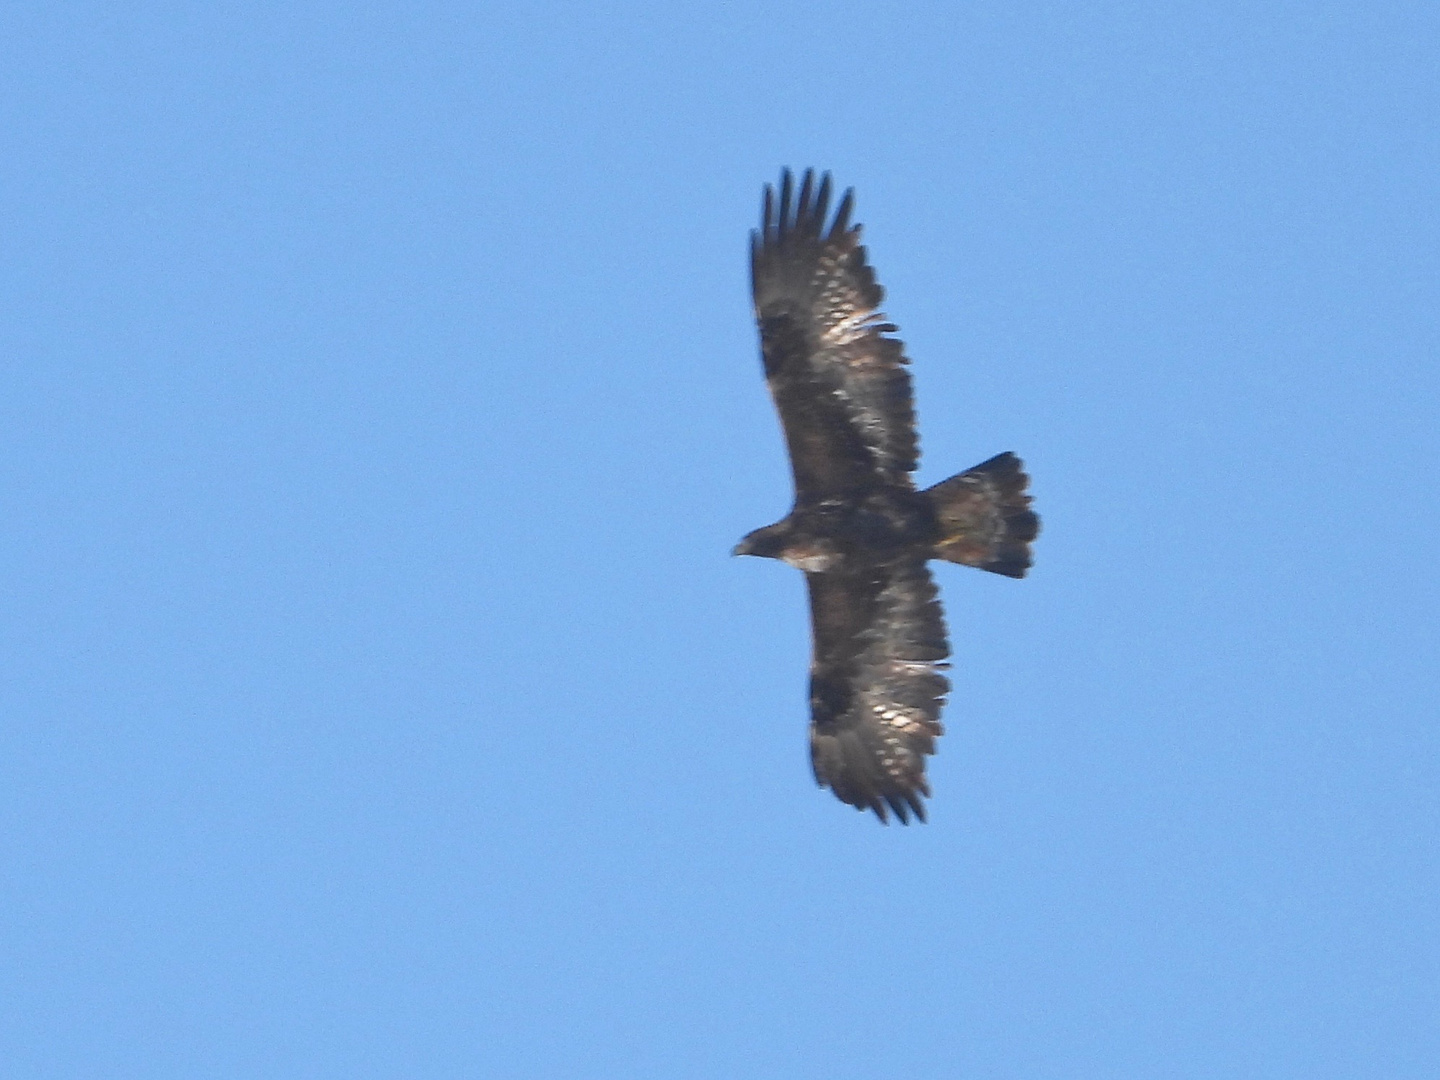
876 686
839 382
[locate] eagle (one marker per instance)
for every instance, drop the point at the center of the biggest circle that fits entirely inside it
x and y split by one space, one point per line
859 529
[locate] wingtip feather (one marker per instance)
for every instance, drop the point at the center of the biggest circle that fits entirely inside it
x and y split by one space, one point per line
787 191
822 201
842 215
785 210
803 220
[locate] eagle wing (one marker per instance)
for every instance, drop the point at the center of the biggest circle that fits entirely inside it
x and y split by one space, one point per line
839 382
876 687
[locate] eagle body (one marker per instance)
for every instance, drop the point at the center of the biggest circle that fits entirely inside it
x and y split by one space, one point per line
859 529
848 535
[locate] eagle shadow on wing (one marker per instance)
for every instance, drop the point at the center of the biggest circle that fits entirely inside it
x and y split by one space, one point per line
859 529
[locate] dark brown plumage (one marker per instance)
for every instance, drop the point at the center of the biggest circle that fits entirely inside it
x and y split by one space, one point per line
859 530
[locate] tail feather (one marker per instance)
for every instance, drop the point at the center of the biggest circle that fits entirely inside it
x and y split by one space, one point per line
985 517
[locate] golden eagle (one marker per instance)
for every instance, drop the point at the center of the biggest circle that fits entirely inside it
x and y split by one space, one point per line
859 529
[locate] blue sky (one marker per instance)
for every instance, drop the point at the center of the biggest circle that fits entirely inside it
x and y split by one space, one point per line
380 404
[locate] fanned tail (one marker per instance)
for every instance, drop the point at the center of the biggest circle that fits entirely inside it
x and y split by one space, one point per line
985 517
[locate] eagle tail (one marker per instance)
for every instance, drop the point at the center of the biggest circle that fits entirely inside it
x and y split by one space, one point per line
985 517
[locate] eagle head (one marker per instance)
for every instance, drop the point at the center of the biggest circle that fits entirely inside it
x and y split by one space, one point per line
781 541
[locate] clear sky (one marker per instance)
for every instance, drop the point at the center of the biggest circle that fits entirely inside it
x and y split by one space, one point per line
381 402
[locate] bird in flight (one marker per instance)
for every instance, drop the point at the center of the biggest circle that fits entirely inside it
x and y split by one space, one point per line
859 529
